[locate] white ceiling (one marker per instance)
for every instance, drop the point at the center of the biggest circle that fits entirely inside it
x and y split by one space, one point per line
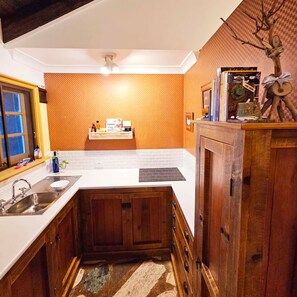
146 36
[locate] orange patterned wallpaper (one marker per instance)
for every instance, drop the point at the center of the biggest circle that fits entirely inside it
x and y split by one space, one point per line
223 50
154 104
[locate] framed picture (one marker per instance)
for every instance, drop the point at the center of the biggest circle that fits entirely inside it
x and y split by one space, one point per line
206 99
189 119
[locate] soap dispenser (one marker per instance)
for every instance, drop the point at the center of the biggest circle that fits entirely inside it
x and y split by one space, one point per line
55 161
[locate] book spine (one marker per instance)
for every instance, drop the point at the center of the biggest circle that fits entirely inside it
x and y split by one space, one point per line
223 96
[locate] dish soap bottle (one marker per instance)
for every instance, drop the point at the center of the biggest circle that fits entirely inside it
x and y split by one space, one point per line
37 153
55 161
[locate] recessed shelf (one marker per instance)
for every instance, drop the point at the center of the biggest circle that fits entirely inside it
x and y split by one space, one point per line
110 135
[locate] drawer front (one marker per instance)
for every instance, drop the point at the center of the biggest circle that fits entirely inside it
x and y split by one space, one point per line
179 219
184 253
182 249
186 285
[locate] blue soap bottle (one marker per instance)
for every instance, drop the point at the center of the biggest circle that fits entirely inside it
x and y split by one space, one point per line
55 163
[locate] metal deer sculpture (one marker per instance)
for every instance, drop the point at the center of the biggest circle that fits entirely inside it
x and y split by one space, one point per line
277 85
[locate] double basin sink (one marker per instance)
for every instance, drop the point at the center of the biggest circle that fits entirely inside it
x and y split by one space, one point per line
40 197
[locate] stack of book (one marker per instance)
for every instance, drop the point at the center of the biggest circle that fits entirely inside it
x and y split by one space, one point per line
233 85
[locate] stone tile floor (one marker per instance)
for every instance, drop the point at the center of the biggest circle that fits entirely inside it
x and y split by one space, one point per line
151 278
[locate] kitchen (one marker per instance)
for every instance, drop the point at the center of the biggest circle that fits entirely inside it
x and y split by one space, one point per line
155 103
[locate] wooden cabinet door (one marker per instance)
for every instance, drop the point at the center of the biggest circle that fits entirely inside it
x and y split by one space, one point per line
149 220
282 222
66 237
215 190
29 277
105 221
62 249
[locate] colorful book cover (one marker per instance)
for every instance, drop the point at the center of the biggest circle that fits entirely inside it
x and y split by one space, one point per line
236 87
217 89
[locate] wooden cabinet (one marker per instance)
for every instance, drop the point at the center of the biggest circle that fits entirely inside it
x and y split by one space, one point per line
129 221
28 277
182 250
246 210
49 266
62 249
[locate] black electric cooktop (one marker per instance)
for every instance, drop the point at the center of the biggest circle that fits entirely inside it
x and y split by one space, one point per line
160 174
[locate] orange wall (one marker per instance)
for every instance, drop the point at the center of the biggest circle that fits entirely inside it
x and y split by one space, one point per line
154 104
223 50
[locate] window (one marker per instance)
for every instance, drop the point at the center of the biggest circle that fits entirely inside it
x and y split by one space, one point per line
18 133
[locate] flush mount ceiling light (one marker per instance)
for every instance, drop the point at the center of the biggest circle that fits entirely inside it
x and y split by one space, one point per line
110 66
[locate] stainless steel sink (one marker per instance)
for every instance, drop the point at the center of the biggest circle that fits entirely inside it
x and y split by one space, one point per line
40 197
35 203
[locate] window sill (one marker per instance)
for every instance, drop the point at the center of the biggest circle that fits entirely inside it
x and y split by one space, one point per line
10 172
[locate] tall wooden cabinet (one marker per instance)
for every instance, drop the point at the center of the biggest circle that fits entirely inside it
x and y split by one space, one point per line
246 210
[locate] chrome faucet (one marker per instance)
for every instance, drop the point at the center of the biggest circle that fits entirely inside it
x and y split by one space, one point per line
2 204
23 190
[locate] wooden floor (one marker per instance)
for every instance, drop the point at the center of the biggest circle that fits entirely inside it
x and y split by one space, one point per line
151 278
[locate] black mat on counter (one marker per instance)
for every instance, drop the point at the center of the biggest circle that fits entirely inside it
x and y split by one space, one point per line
160 174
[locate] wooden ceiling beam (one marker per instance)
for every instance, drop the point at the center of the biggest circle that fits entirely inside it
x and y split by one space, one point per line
35 15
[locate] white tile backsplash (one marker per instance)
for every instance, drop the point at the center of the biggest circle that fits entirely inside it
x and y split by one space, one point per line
122 159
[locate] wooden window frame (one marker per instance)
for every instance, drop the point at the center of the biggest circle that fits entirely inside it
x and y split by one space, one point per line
36 123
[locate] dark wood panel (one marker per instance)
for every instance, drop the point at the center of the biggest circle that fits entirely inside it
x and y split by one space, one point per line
146 220
107 221
283 227
21 17
32 282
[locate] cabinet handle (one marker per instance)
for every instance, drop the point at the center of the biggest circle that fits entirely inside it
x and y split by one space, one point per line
173 216
58 237
186 266
186 289
126 205
231 187
187 236
186 251
201 219
225 233
174 229
174 204
198 263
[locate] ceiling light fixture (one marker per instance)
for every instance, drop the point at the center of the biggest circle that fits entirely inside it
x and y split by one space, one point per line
110 66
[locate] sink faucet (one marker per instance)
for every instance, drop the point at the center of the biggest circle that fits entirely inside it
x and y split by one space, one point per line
2 204
13 199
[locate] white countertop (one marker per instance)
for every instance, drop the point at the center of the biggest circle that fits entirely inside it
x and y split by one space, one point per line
17 233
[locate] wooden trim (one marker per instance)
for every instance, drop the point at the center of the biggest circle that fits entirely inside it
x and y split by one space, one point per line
209 281
250 126
70 276
42 95
176 275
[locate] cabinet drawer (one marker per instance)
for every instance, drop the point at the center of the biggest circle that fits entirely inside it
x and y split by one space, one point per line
186 260
179 220
184 274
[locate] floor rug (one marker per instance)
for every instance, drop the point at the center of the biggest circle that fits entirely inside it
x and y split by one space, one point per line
153 278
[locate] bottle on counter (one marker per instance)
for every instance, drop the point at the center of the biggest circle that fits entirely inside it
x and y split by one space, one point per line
97 125
36 152
93 128
55 161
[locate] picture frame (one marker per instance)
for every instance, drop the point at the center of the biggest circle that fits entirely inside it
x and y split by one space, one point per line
189 121
206 99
